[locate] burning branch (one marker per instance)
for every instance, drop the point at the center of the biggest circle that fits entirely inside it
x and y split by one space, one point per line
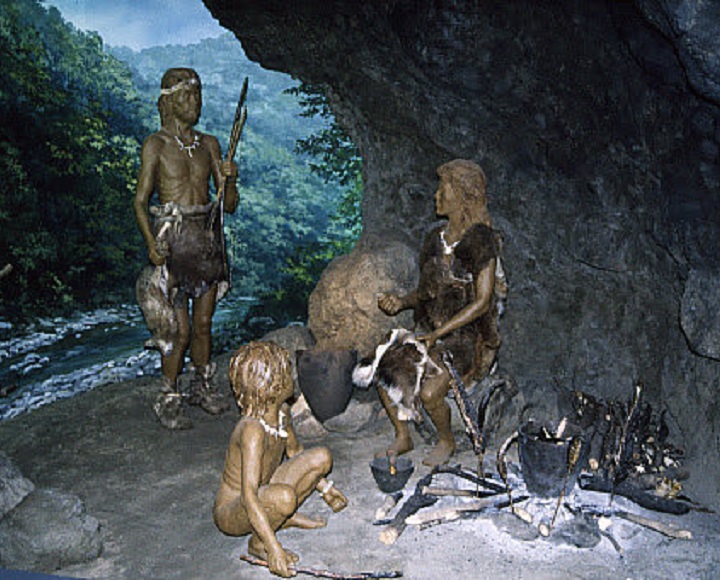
414 503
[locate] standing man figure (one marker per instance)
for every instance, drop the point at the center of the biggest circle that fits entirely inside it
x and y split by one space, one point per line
185 239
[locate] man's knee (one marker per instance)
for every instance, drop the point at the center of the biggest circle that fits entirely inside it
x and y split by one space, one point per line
182 339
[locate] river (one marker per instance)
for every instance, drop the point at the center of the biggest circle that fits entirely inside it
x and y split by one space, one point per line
57 358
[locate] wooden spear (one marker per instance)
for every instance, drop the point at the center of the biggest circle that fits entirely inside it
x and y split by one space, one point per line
235 132
461 399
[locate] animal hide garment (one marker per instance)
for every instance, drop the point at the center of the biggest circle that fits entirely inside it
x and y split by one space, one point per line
399 367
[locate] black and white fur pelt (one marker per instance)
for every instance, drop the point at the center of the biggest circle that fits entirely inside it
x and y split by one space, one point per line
399 366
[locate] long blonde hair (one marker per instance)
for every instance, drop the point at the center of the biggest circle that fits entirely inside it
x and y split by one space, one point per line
258 372
468 180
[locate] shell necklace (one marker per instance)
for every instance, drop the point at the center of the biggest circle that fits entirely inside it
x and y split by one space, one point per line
188 148
447 248
278 431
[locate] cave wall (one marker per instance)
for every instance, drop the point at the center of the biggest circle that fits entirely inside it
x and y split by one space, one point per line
598 125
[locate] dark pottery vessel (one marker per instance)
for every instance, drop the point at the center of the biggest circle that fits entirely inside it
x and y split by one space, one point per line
325 378
544 458
391 482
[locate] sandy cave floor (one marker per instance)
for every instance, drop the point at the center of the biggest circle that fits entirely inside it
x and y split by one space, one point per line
152 491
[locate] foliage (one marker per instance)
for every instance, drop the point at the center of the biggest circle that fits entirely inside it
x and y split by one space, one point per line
69 141
335 158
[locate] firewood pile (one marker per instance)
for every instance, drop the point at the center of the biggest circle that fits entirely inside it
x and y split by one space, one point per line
629 452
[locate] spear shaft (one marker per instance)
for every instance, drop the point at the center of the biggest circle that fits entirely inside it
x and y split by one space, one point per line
235 132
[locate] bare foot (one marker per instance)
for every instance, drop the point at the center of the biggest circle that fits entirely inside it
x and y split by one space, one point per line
257 548
304 522
402 444
442 452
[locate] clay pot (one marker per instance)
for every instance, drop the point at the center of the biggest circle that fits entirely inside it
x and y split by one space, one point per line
325 378
387 481
544 459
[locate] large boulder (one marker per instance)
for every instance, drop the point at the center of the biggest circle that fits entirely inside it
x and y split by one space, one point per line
48 531
343 311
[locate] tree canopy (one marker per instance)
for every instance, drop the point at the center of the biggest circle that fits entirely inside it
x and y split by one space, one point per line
70 124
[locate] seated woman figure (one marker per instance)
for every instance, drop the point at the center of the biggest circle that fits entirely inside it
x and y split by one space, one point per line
455 311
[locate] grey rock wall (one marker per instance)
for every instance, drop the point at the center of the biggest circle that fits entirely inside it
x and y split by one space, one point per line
598 126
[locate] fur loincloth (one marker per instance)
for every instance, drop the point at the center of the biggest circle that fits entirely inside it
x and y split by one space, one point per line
197 258
196 262
399 367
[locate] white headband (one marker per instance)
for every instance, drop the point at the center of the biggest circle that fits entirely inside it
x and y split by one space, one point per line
186 84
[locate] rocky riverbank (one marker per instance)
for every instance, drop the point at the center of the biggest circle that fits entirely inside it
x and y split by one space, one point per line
57 358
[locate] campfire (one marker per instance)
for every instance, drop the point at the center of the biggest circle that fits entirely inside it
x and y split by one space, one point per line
606 461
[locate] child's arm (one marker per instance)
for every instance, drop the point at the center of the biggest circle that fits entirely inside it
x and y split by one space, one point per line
252 444
332 495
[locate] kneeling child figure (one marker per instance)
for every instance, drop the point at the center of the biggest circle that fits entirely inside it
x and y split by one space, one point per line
259 492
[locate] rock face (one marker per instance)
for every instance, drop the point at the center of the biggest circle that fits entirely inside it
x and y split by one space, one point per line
598 126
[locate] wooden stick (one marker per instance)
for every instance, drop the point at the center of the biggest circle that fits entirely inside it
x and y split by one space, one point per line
317 573
502 465
445 491
460 398
615 544
390 502
448 514
573 458
415 502
238 122
235 132
666 529
481 481
669 530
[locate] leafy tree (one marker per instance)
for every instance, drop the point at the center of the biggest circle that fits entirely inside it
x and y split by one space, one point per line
69 137
335 158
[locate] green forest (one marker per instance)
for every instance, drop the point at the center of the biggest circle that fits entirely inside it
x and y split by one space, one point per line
74 116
